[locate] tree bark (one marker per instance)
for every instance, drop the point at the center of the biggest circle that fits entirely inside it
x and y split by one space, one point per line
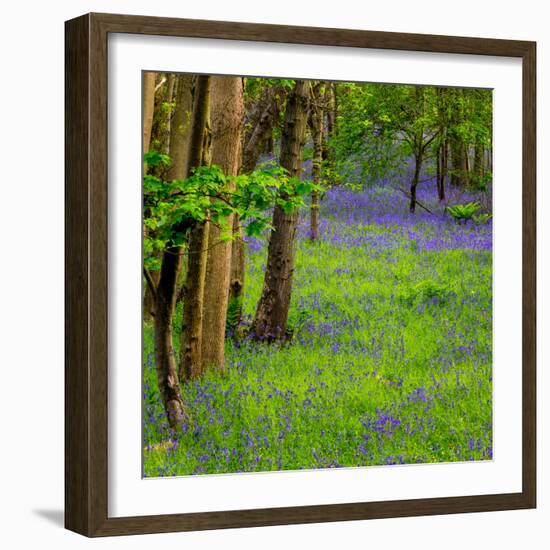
148 108
227 106
316 123
193 290
442 169
415 180
459 149
236 278
162 117
271 316
193 302
161 134
180 126
263 119
165 361
479 154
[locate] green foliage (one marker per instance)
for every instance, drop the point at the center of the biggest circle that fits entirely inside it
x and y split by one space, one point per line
380 127
172 208
425 291
154 158
234 313
482 219
298 319
463 212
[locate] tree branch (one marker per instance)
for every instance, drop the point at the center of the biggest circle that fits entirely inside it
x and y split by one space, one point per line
150 283
417 202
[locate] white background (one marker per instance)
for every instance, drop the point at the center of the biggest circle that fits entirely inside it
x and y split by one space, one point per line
31 228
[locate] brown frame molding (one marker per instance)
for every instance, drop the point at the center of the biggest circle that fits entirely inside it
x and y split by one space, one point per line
86 274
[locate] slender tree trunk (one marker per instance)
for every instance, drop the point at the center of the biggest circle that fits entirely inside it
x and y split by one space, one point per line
263 119
236 274
149 297
444 168
148 107
269 144
441 169
165 360
330 103
179 128
478 163
227 119
415 180
164 118
148 113
193 302
193 290
316 122
272 312
438 162
459 149
236 278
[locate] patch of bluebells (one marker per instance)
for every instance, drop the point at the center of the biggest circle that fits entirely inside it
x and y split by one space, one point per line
368 396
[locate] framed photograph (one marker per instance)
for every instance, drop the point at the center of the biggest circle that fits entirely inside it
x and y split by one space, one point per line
300 275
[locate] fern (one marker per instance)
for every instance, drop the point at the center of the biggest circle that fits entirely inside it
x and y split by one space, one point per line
234 313
463 212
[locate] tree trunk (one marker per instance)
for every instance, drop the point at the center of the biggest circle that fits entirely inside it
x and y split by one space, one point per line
459 149
263 119
165 361
161 135
162 117
460 167
148 107
330 111
479 153
236 278
193 302
179 128
415 180
272 312
438 160
227 119
193 290
149 297
441 169
316 123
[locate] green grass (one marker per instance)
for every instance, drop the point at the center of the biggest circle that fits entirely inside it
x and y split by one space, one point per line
390 362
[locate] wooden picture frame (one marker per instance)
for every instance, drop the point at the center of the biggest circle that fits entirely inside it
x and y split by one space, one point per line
86 283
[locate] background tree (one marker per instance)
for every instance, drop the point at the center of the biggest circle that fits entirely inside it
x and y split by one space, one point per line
272 312
263 102
316 121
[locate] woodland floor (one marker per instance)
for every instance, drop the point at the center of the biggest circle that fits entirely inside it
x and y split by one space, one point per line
390 360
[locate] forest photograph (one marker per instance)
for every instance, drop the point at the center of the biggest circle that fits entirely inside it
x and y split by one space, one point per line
317 274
